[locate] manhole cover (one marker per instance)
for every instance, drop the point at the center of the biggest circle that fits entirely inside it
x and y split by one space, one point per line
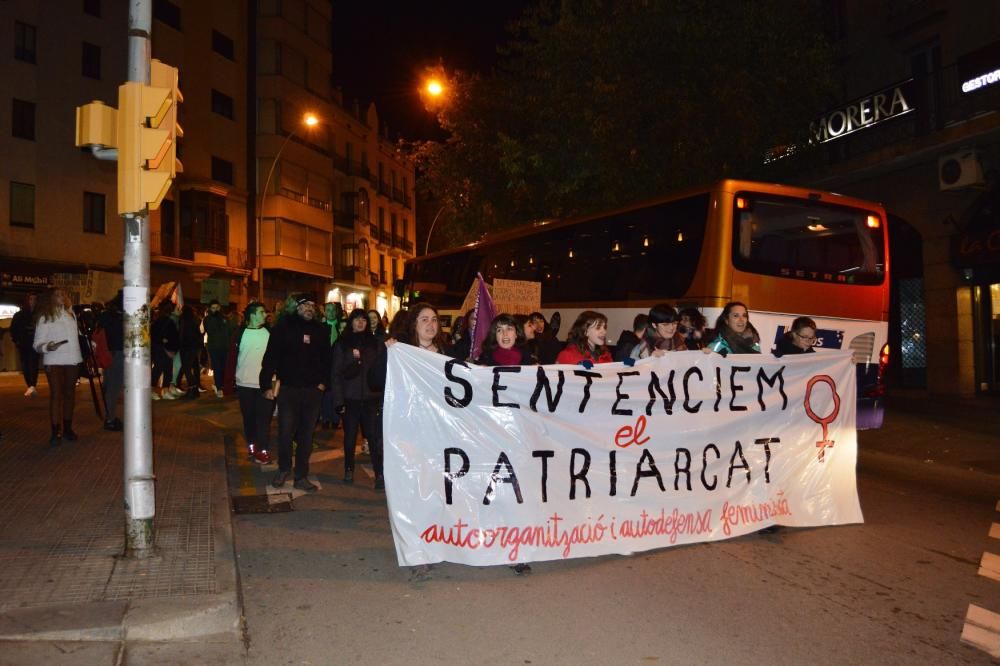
277 503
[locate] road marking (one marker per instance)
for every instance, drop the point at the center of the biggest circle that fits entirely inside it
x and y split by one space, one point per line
989 566
995 530
982 630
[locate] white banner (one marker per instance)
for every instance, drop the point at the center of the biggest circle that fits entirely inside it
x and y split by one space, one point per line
514 464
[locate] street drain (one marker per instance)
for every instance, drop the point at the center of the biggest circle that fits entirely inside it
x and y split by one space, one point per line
277 503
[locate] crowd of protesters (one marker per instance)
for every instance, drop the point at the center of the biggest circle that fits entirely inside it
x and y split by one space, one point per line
321 368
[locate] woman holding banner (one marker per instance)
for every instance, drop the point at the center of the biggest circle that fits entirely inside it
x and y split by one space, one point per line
661 334
587 341
504 344
734 334
424 331
799 339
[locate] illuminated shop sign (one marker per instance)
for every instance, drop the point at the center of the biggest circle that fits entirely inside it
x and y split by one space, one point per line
980 68
886 104
978 82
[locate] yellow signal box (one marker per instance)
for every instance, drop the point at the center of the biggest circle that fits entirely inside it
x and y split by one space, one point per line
147 134
96 125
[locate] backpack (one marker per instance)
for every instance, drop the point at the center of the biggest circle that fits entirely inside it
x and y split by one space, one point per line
102 354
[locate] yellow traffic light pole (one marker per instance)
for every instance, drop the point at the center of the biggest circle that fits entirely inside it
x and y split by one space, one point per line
142 135
140 493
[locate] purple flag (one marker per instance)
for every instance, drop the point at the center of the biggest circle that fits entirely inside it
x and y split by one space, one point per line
485 312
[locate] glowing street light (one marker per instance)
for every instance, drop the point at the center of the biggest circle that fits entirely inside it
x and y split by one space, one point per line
434 88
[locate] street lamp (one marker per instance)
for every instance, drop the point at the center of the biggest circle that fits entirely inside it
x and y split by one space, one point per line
431 230
434 88
309 120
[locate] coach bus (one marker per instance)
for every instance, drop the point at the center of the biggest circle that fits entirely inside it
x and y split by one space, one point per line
784 251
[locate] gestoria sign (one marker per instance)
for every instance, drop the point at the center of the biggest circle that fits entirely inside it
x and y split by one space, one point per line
888 103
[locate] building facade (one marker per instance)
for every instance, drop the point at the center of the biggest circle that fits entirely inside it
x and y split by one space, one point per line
325 209
917 128
334 198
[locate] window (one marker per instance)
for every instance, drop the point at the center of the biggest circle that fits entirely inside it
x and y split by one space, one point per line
168 13
91 61
807 240
93 212
222 170
223 45
24 42
204 219
92 7
222 104
23 120
22 205
578 263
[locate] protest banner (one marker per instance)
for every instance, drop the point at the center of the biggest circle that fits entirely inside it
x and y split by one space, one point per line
517 296
498 465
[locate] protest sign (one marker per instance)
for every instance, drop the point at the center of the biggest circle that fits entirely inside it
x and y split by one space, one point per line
517 296
513 464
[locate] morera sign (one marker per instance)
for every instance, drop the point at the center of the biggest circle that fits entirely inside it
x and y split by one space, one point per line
885 104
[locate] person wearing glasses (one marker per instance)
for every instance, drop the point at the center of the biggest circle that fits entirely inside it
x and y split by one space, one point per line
800 338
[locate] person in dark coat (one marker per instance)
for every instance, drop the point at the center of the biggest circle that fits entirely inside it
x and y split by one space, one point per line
629 340
164 343
546 334
191 344
22 332
111 321
298 355
353 356
799 339
220 332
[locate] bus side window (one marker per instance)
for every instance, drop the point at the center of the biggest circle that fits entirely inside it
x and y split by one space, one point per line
746 234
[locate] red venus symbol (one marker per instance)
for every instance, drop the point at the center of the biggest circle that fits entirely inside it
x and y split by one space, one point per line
826 420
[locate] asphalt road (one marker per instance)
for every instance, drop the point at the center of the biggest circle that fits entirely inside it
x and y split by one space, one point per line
321 586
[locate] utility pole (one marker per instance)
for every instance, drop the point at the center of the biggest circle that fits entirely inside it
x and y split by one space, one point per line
141 134
140 491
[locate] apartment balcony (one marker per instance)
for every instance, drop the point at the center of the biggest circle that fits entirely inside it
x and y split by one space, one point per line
373 278
345 219
199 251
346 272
400 243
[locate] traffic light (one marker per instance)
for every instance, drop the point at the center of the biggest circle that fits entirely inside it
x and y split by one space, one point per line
147 139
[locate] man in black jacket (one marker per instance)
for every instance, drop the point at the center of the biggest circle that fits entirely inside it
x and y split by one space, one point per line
298 354
22 331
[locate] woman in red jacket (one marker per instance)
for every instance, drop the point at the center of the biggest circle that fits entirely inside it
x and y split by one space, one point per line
587 340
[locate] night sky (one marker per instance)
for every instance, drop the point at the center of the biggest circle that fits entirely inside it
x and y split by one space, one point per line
380 51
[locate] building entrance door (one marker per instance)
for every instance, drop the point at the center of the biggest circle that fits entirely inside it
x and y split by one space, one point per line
987 304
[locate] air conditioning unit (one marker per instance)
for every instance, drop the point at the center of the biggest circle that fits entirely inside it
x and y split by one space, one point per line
960 170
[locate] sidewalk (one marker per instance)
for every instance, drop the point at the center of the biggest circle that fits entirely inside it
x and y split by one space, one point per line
62 577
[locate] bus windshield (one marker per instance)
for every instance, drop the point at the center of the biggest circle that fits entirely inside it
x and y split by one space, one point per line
807 240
